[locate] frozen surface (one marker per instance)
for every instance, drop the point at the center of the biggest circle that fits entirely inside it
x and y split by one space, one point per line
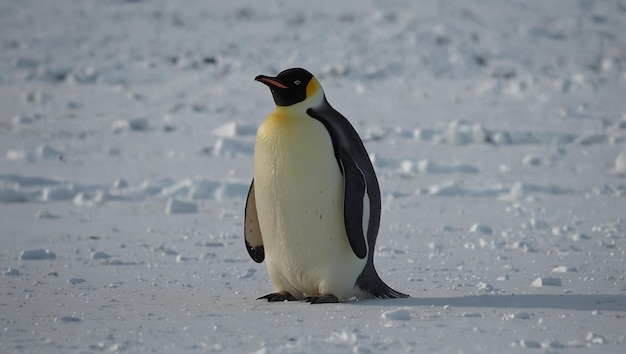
498 131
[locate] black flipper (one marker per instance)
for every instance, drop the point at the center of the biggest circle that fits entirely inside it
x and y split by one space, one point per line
252 231
354 191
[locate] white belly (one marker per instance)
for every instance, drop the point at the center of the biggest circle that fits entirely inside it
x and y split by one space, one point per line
299 199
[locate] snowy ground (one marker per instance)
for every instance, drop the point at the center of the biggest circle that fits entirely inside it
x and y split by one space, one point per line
498 133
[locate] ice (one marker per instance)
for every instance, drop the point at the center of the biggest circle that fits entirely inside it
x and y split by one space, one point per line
472 314
546 281
89 199
526 343
519 315
532 160
232 189
41 153
8 195
37 255
481 229
75 281
228 147
192 189
397 315
12 271
595 338
134 124
58 193
175 206
484 287
100 255
564 269
426 166
67 319
235 129
620 163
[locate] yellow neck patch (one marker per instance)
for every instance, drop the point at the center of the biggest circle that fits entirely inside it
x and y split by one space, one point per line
312 87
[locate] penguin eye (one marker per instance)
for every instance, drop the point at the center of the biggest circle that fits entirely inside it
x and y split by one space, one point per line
297 82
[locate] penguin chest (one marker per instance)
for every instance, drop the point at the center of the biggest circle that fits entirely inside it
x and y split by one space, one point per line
299 191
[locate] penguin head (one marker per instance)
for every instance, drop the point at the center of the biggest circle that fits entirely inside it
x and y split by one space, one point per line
292 86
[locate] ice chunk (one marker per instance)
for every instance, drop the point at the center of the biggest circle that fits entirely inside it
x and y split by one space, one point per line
45 215
135 124
525 343
175 206
12 271
37 255
58 193
8 195
519 315
234 129
532 160
41 153
595 338
232 190
564 269
99 255
482 229
620 163
67 319
397 315
228 147
75 281
484 286
546 281
472 314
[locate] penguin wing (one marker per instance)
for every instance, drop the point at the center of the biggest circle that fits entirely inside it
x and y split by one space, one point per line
362 194
355 196
252 231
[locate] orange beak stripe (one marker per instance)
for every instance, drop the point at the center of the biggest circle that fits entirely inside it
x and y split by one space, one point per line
273 83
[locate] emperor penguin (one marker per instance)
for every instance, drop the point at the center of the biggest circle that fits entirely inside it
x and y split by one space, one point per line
313 208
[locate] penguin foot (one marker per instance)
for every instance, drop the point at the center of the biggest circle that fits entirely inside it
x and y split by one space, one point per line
277 297
321 299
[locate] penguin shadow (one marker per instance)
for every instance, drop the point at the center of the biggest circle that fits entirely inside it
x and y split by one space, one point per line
581 302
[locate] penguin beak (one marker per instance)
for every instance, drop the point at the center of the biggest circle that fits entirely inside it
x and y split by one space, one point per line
270 81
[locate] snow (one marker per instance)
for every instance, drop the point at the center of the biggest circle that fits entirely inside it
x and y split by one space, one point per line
497 130
397 315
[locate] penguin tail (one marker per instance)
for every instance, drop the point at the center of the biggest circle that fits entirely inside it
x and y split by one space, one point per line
373 287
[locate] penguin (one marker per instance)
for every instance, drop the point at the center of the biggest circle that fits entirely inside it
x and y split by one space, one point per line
313 207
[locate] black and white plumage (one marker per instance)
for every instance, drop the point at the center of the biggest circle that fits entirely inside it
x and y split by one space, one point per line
313 209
